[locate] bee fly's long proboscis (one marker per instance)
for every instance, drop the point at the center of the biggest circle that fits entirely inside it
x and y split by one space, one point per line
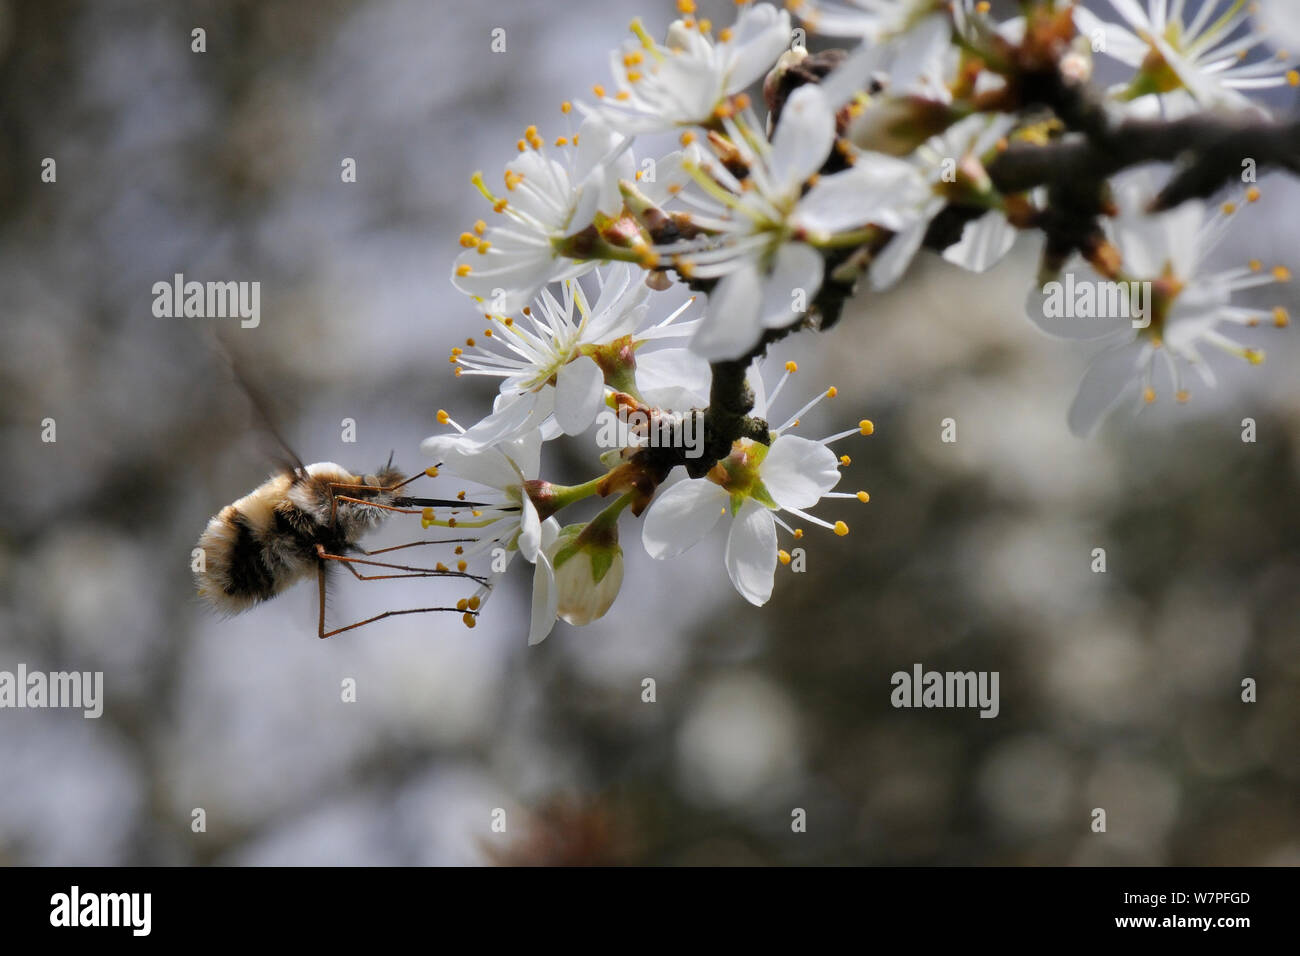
298 521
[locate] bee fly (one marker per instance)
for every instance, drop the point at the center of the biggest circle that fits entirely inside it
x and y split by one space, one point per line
301 519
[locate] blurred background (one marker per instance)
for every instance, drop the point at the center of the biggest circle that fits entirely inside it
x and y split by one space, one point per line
1118 690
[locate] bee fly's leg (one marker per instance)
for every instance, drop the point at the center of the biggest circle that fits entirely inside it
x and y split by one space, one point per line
320 627
348 563
416 544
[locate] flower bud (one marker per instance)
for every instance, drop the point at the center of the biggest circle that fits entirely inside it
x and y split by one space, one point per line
588 566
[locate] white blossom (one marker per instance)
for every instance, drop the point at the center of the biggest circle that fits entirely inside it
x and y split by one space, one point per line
755 484
689 80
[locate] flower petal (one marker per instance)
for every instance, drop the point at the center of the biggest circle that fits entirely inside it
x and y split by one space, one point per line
802 140
795 280
888 267
730 326
530 531
758 37
681 516
751 552
545 603
880 189
798 472
579 386
1111 374
983 243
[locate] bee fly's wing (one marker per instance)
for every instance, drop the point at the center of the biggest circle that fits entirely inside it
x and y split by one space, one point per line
284 457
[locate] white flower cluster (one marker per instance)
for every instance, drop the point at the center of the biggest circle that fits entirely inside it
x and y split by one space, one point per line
773 221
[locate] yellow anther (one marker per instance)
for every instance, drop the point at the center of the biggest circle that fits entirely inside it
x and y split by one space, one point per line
599 91
474 603
1282 274
561 141
432 471
724 35
463 269
462 604
866 426
469 342
783 556
791 367
1149 395
633 76
483 247
499 206
832 392
459 549
687 138
1181 396
798 532
469 620
443 417
1253 194
566 107
521 145
841 528
468 240
451 522
863 497
845 460
1281 318
1256 265
685 6
1229 208
648 259
1293 77
440 566
1254 356
462 565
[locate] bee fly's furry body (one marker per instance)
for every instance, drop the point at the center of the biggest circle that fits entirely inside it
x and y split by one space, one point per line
272 538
